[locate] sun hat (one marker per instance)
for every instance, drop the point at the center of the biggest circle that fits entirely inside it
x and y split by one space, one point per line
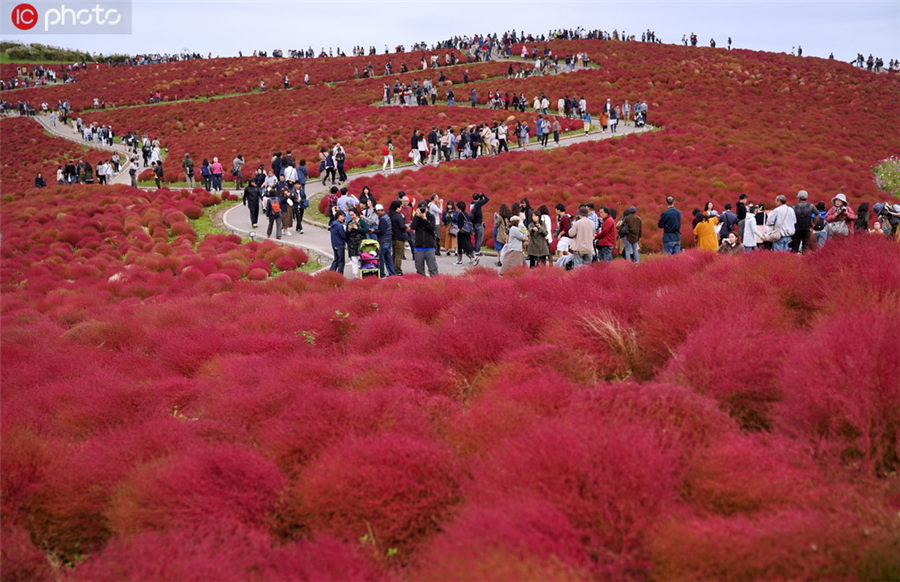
379 207
840 196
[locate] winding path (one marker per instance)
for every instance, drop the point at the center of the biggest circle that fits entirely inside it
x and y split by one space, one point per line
315 237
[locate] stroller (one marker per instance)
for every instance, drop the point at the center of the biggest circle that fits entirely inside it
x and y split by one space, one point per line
368 258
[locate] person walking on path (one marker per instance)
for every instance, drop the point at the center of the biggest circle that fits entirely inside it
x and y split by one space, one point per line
188 166
251 200
338 242
388 152
670 223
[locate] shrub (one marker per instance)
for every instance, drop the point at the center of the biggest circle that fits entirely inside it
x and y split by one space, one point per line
515 539
22 562
223 550
392 489
208 484
855 543
845 401
612 480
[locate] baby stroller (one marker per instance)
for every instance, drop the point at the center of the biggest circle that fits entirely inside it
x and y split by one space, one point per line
368 258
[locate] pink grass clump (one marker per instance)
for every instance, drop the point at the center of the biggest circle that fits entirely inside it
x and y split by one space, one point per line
206 484
392 489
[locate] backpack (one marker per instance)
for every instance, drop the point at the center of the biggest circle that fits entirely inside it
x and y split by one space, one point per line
274 206
385 151
818 222
467 227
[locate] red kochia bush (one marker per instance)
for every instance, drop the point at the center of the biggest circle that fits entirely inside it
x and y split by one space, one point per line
846 399
611 479
393 488
515 539
223 551
22 562
853 543
204 484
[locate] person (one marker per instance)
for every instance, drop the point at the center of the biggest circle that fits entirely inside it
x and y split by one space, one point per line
563 224
803 222
501 230
479 199
464 235
586 119
747 228
513 255
237 166
340 158
840 217
60 176
251 200
388 152
424 240
357 229
338 241
606 234
631 225
158 174
449 230
206 174
670 223
188 166
538 246
273 213
39 181
556 127
582 234
329 168
705 232
216 170
347 200
784 220
730 246
435 210
728 220
861 224
819 225
133 171
384 233
398 233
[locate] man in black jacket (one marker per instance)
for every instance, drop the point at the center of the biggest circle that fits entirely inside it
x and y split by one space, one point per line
478 200
804 212
398 235
424 240
252 197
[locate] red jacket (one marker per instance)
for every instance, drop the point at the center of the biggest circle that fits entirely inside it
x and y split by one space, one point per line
607 235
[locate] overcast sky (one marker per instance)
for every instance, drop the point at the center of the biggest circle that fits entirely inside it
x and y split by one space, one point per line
224 27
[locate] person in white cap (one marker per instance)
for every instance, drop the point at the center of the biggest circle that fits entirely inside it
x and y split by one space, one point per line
839 220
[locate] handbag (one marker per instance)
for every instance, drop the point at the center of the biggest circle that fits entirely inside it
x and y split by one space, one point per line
838 228
454 230
772 235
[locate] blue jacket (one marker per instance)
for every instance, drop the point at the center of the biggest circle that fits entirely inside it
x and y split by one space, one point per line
670 223
384 231
338 234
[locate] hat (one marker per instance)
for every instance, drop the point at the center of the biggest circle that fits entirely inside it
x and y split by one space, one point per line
802 195
379 207
896 208
840 196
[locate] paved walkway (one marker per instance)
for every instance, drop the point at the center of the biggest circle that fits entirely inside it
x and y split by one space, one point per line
315 237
